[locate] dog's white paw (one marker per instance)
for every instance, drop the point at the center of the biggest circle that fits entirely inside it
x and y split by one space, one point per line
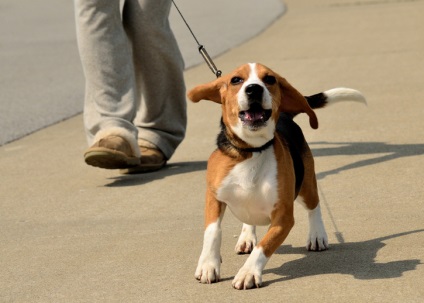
247 240
208 267
317 238
317 241
246 279
250 275
208 270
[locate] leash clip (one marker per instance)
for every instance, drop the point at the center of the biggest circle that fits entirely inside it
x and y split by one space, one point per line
209 62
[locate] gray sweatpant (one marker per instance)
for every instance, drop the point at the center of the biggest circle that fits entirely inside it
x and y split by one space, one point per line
133 70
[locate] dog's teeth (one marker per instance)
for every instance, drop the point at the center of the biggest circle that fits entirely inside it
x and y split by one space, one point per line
254 116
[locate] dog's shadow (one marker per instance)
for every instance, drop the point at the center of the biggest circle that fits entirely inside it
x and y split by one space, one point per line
356 259
171 169
350 258
384 152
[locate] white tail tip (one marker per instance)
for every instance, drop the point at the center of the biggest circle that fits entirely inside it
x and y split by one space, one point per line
344 94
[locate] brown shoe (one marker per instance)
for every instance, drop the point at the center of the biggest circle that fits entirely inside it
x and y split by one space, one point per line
152 159
111 152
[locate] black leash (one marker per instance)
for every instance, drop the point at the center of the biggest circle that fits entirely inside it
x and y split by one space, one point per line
202 49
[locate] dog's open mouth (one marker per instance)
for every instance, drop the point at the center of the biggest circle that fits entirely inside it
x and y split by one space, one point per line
255 117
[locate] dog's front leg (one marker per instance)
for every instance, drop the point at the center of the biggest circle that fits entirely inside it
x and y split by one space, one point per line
209 265
250 275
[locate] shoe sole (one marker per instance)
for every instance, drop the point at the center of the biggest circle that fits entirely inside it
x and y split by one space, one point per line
110 159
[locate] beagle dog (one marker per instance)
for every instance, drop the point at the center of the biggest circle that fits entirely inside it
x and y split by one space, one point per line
262 164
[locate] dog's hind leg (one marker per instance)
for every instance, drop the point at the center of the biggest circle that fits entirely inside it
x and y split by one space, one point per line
247 239
317 237
309 199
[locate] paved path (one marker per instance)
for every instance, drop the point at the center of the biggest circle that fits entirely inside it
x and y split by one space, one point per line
41 79
73 233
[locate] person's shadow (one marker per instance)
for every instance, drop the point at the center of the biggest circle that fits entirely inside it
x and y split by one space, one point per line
356 259
169 170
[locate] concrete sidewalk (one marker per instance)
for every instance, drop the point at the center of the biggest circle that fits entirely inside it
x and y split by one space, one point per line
73 233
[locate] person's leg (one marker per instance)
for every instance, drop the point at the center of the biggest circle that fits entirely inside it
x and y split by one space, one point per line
106 58
161 113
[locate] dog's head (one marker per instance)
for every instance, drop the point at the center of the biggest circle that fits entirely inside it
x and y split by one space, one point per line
252 96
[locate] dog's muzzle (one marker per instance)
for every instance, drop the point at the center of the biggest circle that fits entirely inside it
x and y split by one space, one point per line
256 116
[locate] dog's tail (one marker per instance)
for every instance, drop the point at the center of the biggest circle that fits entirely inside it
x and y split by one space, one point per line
334 95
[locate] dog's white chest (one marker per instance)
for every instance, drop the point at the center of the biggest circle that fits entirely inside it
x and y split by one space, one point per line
250 189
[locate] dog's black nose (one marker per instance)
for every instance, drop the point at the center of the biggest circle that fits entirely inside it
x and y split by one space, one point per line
254 91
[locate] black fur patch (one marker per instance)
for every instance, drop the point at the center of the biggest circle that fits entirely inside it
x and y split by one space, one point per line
317 100
222 140
291 134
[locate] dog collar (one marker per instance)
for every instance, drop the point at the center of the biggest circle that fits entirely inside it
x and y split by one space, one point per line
255 149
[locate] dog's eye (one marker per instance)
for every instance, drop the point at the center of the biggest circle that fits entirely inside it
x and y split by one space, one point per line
270 80
236 80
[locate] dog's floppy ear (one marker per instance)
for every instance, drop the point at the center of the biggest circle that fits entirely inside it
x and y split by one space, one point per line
209 91
294 102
